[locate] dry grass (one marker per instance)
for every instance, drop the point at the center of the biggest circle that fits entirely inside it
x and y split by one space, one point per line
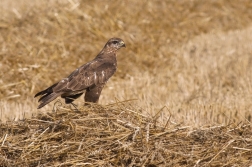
120 135
189 61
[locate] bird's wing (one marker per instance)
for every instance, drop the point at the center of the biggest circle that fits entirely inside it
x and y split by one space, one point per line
93 73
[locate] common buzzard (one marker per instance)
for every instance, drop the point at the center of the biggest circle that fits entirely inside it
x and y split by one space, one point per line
90 77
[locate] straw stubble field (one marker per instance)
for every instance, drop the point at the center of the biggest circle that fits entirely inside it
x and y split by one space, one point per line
181 95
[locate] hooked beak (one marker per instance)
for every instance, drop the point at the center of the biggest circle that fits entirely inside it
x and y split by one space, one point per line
122 44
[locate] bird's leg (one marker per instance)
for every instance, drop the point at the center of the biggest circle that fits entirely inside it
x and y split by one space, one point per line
75 106
57 104
92 95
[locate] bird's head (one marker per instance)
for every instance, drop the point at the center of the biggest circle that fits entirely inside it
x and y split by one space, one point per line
114 44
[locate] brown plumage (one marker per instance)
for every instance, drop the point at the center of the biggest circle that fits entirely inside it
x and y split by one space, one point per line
90 77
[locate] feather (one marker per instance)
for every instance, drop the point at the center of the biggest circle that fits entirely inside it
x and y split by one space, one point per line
48 90
70 99
90 77
47 99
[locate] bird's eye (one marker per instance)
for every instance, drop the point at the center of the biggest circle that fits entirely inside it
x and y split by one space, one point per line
114 42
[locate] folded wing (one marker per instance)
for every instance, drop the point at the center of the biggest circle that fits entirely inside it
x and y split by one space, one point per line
88 75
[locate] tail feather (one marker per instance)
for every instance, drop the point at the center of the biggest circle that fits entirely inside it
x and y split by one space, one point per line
41 98
47 99
46 91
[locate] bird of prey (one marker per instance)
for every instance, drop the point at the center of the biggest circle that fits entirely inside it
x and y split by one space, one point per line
90 77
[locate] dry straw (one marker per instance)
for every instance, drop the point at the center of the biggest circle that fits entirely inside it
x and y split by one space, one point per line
119 135
186 55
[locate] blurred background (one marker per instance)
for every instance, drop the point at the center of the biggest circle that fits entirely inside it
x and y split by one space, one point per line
188 60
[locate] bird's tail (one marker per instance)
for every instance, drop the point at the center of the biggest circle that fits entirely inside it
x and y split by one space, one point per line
44 100
46 91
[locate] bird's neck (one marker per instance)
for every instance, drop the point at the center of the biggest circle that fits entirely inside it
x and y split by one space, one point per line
107 53
108 50
110 57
